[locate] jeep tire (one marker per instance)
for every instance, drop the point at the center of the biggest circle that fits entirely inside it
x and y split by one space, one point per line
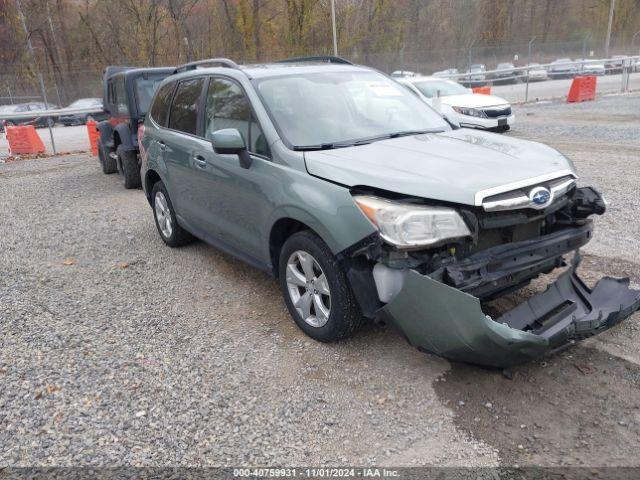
128 162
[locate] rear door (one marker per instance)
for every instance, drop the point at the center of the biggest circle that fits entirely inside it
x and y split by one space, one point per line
154 144
180 145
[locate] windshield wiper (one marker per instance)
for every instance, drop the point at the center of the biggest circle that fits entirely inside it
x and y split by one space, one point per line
365 141
407 133
323 146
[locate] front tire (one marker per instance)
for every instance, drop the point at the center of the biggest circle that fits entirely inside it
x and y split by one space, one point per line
171 233
130 169
316 290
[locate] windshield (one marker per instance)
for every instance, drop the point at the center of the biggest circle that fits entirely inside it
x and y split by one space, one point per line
86 102
145 88
333 109
430 89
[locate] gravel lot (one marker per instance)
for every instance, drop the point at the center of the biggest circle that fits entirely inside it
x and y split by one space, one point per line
117 350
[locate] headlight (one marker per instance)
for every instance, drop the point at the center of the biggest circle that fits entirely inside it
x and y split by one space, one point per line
405 225
472 112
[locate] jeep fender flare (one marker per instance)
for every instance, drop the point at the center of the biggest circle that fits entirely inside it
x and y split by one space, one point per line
124 136
105 129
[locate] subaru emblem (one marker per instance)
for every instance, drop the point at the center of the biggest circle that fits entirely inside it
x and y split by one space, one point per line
540 196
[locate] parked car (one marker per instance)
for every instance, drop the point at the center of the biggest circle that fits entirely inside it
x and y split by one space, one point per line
475 76
365 203
404 74
449 72
463 107
82 118
126 98
36 120
537 73
562 68
6 110
505 73
590 67
616 64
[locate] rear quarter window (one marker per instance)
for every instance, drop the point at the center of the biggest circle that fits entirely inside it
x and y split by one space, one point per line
160 108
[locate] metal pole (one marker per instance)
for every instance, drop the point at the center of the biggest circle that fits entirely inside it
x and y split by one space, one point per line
46 107
10 96
612 7
633 39
33 56
333 23
526 92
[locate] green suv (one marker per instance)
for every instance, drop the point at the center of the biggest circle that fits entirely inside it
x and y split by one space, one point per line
366 204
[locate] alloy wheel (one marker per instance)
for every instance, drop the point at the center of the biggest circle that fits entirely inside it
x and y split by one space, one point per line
308 288
163 215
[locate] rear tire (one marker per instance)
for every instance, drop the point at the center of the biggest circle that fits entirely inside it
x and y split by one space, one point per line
311 290
130 169
171 233
107 163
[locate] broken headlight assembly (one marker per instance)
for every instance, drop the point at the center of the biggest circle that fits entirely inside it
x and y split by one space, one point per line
407 225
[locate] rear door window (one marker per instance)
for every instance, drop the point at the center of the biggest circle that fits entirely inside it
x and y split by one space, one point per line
185 106
160 108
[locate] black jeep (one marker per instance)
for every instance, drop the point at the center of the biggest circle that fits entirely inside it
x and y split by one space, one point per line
127 94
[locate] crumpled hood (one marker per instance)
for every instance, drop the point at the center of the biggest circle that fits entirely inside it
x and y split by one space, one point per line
473 100
451 166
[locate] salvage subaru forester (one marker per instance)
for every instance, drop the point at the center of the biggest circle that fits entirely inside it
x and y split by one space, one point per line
365 203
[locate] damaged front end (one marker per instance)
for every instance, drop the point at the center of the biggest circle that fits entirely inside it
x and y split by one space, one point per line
434 296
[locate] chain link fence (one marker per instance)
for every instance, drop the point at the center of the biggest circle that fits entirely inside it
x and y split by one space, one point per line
63 87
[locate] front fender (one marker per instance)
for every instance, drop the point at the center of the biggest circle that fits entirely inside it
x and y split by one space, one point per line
326 208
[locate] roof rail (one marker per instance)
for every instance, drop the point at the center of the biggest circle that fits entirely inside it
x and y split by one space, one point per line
319 58
222 62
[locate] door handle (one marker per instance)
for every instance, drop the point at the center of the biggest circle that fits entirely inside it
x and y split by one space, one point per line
200 161
162 144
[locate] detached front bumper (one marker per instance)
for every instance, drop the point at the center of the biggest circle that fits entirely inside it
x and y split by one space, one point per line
448 322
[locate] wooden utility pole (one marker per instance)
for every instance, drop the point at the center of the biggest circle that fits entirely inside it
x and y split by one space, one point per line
607 44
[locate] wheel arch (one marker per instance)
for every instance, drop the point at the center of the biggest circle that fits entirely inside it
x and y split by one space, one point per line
122 136
291 220
151 177
281 230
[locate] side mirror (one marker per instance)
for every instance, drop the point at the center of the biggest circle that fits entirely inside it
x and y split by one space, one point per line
229 141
